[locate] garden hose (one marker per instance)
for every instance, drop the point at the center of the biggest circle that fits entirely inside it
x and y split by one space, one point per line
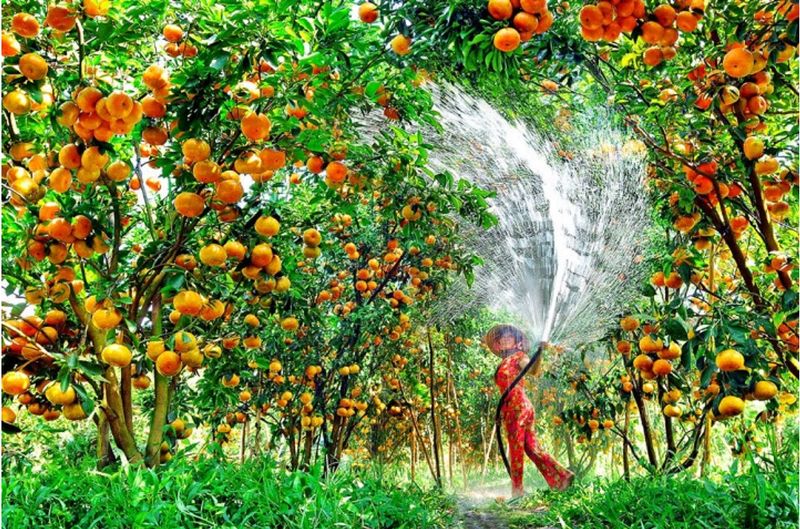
498 431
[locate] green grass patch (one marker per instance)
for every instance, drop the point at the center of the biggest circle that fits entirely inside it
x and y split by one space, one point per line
200 494
745 501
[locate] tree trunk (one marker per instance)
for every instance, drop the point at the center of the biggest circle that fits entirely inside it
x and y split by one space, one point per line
646 432
626 464
161 404
436 440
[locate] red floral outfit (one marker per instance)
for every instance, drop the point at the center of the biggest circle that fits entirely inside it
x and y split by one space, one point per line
518 416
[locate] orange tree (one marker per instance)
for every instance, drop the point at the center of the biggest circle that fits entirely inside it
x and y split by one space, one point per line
187 197
711 92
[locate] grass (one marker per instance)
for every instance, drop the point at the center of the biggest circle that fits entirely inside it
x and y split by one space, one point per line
753 499
191 494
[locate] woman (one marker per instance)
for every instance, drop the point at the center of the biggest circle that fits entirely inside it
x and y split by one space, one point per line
510 344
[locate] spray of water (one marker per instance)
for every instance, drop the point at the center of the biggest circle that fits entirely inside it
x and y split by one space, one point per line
570 228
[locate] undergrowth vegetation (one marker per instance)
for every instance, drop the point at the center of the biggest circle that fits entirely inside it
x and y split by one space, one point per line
207 493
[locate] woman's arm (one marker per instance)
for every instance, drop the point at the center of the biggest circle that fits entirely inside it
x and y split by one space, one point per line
537 367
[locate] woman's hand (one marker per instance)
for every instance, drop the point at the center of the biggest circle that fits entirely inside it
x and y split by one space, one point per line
523 361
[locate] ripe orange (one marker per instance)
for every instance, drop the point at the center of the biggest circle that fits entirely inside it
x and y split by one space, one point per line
401 44
336 172
15 382
730 406
17 102
255 126
738 62
184 341
33 66
116 355
643 362
525 22
368 12
25 25
507 40
229 190
753 148
168 363
652 32
195 150
670 353
60 17
765 390
267 226
686 21
312 237
189 204
662 367
591 17
665 14
272 160
235 250
188 302
106 318
629 323
650 345
289 323
500 9
261 255
11 46
213 255
730 360
653 56
172 33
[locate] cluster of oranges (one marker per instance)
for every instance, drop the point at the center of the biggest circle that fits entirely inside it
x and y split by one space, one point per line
32 66
607 20
528 18
177 45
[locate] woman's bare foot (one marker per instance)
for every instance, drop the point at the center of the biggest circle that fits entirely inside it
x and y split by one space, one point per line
567 482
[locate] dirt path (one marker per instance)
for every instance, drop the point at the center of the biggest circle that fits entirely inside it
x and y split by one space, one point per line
475 510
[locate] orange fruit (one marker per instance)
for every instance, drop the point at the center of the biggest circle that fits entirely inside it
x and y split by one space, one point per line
738 62
189 204
765 390
235 250
11 46
500 9
267 226
195 150
25 25
172 33
730 406
229 191
117 355
591 17
368 12
272 160
188 302
662 367
507 40
255 126
686 21
60 17
336 172
643 362
33 66
730 360
213 255
15 383
401 44
652 32
649 345
168 363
